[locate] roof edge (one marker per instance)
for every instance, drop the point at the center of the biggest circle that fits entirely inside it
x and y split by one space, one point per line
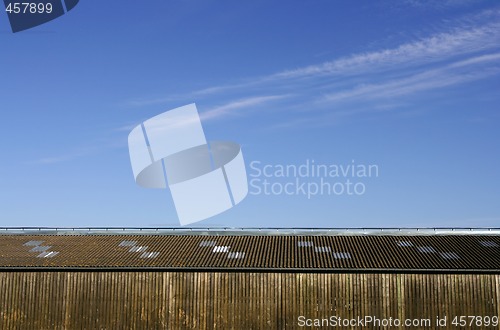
249 270
234 231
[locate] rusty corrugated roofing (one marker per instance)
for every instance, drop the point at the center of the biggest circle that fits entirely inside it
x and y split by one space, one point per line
255 252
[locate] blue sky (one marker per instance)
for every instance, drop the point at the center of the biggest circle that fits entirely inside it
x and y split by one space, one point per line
410 86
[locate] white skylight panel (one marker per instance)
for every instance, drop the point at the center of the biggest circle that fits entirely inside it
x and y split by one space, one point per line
405 243
305 244
426 249
150 255
40 248
322 249
449 255
50 254
488 244
33 243
221 249
207 243
128 243
341 255
138 249
236 255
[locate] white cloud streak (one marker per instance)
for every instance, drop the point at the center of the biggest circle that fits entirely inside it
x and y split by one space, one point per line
466 50
61 158
436 48
233 106
427 80
81 151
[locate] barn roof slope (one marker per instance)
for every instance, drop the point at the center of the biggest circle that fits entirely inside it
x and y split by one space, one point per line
329 250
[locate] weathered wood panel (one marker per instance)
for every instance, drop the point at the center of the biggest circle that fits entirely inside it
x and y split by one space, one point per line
235 300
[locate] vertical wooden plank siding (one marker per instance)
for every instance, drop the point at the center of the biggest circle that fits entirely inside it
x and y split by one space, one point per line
235 300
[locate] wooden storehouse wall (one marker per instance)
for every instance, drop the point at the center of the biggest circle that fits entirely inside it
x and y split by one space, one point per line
233 300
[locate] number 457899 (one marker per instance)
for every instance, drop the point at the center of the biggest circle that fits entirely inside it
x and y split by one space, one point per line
29 8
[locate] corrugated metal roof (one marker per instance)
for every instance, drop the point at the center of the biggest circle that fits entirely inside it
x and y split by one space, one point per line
479 253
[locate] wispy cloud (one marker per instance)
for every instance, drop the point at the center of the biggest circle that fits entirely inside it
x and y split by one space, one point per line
232 106
427 80
477 60
126 128
466 50
70 156
436 48
460 51
142 102
441 4
81 151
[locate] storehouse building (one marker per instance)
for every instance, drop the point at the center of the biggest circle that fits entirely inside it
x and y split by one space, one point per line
98 278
